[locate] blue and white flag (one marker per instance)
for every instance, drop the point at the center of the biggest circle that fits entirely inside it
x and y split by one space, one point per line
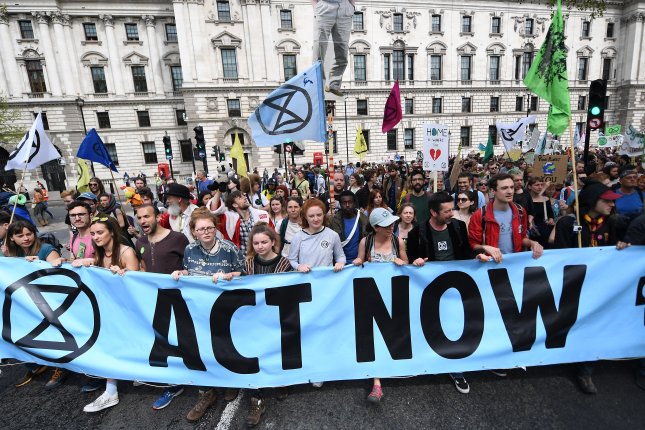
92 148
513 132
34 149
294 111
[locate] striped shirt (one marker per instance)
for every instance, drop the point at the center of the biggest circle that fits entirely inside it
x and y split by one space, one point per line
258 266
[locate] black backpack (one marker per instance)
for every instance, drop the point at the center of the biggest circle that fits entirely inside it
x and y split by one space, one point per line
48 237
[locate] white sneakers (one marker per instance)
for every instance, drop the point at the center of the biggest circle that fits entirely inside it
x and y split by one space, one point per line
104 401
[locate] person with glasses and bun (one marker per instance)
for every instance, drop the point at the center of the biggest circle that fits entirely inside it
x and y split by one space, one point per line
220 259
110 253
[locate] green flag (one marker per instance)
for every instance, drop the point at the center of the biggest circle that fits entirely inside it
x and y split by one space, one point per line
488 154
548 78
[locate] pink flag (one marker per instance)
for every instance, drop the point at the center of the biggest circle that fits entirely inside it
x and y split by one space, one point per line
392 114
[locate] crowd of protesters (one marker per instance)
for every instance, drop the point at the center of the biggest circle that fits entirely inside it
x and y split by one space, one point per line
362 212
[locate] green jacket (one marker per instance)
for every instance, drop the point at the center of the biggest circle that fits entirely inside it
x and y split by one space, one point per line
338 225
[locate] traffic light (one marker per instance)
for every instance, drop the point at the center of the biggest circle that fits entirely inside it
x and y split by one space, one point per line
297 149
277 149
222 154
167 146
215 152
596 109
200 142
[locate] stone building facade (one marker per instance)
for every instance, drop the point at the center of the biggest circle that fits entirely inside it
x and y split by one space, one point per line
140 69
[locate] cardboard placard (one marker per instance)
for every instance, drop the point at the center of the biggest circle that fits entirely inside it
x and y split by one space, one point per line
551 168
436 140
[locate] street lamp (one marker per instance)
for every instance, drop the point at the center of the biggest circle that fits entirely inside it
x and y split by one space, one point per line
80 103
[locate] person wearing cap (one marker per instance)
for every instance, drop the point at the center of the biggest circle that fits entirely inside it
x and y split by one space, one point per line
381 246
599 228
179 209
441 238
270 190
631 203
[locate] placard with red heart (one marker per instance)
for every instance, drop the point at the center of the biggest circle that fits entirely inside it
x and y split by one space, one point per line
436 147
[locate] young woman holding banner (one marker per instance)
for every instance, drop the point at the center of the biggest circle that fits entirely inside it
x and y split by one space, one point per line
381 246
220 259
110 253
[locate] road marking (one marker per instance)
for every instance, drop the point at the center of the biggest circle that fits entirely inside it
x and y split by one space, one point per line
229 412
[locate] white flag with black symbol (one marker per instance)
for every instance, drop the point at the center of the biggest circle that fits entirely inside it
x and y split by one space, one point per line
513 132
34 149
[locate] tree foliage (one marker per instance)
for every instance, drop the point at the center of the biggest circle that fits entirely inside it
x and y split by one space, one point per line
9 117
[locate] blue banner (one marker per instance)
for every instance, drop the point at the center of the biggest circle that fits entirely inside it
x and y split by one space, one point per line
378 320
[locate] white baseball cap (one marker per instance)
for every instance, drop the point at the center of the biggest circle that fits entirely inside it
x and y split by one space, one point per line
382 217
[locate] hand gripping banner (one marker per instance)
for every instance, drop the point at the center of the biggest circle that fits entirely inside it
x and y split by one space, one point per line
376 320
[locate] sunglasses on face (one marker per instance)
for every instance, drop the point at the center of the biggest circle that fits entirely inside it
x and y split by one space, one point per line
94 185
462 200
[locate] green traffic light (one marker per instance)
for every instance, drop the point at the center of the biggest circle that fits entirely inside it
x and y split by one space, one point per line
595 110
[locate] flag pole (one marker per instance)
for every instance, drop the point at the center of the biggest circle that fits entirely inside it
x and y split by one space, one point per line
15 203
125 217
575 184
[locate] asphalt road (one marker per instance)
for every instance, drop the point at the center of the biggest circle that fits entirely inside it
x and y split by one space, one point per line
541 397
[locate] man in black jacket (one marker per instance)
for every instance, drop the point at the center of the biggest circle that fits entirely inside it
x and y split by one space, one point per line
442 238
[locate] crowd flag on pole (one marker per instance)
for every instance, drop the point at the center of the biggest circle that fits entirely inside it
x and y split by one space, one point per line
83 171
360 147
294 111
547 77
489 152
92 148
34 149
392 113
237 154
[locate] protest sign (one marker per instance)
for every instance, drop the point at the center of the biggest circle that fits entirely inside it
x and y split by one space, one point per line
550 168
436 142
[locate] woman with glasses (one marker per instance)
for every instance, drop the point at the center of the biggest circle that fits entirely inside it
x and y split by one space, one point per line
219 259
110 253
381 246
466 206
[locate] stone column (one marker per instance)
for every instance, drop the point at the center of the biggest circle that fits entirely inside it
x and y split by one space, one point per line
247 42
15 87
637 22
155 60
198 40
72 58
65 67
639 43
48 48
269 52
184 36
115 61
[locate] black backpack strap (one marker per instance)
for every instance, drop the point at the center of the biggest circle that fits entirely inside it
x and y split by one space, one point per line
369 243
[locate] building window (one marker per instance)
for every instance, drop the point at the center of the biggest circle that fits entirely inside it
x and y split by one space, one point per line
435 67
436 105
409 106
357 21
607 102
386 67
180 114
527 59
43 116
131 31
397 22
223 11
466 24
580 127
519 103
606 68
335 144
186 149
90 31
583 66
494 68
466 104
139 79
494 104
366 135
398 65
26 30
361 107
177 77
528 26
410 67
36 76
496 25
582 102
111 150
360 72
492 132
408 138
285 19
436 23
610 30
98 79
149 152
586 28
234 108
171 33
534 103
391 140
289 64
143 116
464 136
229 62
103 119
465 67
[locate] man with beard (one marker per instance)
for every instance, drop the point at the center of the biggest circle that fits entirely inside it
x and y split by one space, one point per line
392 187
161 251
418 197
80 240
339 187
350 224
179 210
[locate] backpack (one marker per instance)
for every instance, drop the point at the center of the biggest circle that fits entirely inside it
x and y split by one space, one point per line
48 237
369 244
520 214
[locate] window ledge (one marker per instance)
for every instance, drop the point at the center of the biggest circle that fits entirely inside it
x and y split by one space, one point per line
286 30
435 33
613 39
362 31
133 42
466 33
495 34
36 40
495 82
168 42
585 37
91 42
